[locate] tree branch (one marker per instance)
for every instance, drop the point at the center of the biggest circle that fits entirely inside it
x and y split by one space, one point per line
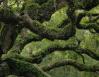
45 32
53 46
49 48
88 52
79 66
94 26
23 39
23 67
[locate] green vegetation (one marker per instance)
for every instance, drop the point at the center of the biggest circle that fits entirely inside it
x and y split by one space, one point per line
49 38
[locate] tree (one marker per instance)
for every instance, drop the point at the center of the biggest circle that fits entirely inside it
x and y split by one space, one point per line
16 16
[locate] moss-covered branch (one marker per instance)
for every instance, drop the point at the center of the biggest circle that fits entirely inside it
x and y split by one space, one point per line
34 69
79 66
23 39
63 47
81 13
49 48
52 46
23 67
94 26
46 32
39 28
88 52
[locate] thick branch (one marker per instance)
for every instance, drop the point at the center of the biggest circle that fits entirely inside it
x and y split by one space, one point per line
24 67
82 13
23 39
15 51
52 46
49 48
38 28
45 32
71 47
79 66
88 52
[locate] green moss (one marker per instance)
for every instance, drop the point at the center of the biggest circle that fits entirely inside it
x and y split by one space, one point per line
95 10
85 20
57 18
25 67
41 47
